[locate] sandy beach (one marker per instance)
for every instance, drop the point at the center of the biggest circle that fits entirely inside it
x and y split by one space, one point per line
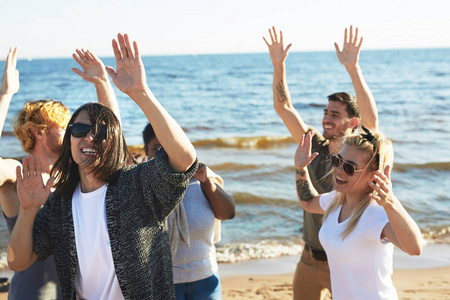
424 277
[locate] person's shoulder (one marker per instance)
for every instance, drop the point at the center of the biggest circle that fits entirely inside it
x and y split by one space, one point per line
375 212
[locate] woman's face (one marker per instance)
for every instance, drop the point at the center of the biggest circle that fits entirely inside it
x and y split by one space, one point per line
359 181
83 149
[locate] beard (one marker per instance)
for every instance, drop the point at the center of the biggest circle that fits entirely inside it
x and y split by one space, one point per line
54 144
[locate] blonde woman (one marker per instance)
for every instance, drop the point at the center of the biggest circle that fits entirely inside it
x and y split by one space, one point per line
363 219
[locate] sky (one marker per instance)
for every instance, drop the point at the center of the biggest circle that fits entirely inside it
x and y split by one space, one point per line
55 28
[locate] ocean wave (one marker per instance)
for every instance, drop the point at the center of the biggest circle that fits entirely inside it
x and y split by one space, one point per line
438 166
439 235
248 198
231 253
258 142
234 167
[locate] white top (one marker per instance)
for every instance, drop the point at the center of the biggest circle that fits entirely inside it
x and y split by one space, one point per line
96 277
199 260
361 265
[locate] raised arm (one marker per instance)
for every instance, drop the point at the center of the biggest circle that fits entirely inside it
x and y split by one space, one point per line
349 58
281 96
10 86
130 78
221 203
401 230
307 194
32 195
94 71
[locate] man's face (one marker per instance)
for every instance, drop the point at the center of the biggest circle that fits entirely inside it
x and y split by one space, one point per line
150 148
335 121
54 139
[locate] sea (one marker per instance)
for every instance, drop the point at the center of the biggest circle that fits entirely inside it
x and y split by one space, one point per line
224 103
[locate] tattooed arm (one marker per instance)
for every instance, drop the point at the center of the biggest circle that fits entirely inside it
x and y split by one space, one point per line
281 96
307 194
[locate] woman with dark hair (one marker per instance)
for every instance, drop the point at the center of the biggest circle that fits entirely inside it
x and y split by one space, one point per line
363 219
105 223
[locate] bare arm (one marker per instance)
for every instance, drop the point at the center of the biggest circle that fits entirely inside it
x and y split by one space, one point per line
9 86
307 194
281 96
32 195
94 71
349 58
221 203
130 78
401 230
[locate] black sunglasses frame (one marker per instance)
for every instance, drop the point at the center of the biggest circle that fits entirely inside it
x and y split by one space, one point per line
80 130
348 168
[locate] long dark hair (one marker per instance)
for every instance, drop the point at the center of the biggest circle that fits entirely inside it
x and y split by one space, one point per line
111 157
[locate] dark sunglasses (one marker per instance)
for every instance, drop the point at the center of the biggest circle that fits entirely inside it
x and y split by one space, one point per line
80 130
348 168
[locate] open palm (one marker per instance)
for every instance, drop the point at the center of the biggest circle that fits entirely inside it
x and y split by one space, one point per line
130 74
349 55
31 190
303 156
93 69
278 53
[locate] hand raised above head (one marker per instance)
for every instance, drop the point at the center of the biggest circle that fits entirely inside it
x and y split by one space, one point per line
130 74
30 186
349 55
93 68
278 53
10 80
303 156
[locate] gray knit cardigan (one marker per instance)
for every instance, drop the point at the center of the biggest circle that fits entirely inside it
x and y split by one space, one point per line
137 205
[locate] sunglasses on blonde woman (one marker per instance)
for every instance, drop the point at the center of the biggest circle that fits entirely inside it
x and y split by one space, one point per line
348 168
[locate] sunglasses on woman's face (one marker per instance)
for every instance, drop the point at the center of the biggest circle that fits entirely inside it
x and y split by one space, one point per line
348 168
79 130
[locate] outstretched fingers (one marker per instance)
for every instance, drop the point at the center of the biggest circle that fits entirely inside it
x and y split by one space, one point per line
128 45
123 47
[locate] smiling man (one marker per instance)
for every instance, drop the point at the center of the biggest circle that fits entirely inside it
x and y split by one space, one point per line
341 116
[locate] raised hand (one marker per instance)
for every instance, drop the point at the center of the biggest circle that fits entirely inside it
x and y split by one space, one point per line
130 75
382 186
349 55
303 156
93 68
10 80
30 186
278 53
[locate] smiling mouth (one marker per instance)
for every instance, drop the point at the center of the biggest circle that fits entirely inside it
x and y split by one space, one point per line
339 180
89 151
328 126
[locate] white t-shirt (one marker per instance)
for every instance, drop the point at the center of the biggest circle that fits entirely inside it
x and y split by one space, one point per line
361 264
96 277
199 260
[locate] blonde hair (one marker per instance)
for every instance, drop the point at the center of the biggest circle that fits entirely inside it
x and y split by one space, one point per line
40 115
381 154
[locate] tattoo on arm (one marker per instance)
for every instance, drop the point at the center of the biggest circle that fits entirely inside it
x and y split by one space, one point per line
304 191
281 93
301 173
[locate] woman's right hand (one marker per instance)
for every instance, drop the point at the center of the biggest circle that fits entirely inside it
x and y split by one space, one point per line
303 156
31 190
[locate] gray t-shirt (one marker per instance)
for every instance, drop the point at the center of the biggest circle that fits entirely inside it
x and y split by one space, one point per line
320 172
38 282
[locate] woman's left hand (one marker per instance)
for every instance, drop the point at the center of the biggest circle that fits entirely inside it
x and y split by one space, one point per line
382 186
